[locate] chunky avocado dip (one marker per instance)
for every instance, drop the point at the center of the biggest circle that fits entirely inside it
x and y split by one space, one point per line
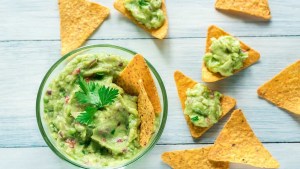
225 56
203 106
146 12
91 119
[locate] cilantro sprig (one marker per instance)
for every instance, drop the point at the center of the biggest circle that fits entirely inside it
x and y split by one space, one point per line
94 97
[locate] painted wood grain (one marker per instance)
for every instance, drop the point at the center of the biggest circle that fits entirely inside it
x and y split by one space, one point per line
38 20
42 157
24 63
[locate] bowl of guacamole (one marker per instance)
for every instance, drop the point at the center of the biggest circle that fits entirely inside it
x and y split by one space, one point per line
86 118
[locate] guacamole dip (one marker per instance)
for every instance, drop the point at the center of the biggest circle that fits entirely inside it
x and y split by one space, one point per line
112 137
146 12
225 56
203 106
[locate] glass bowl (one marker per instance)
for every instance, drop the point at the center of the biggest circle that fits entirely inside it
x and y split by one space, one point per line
56 69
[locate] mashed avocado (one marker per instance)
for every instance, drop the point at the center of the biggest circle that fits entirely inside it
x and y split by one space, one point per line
112 138
146 12
225 56
203 106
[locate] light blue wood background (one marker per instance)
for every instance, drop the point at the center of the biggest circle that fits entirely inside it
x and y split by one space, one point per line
30 44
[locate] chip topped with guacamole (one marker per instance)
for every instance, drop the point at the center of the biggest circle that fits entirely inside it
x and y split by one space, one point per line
150 15
91 118
146 12
203 105
225 56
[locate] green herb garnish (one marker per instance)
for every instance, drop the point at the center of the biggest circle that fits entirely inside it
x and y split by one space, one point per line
113 132
143 3
95 97
196 118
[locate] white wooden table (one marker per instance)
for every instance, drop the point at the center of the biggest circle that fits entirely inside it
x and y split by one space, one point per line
30 44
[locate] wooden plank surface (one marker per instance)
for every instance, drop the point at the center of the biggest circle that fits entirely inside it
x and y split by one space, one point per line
25 63
29 45
39 20
42 157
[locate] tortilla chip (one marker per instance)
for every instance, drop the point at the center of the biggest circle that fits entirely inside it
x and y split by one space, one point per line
215 32
78 20
284 89
257 8
135 70
183 83
192 159
159 33
238 144
147 115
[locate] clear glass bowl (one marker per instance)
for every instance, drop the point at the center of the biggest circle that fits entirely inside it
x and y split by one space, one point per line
56 69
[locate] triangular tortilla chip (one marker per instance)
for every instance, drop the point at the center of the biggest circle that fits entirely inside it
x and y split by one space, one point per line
159 33
257 8
78 20
135 70
215 32
284 89
238 144
183 83
147 115
192 159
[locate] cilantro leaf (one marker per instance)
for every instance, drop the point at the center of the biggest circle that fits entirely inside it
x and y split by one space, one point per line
83 84
89 94
107 95
113 132
82 98
86 117
95 97
196 118
143 3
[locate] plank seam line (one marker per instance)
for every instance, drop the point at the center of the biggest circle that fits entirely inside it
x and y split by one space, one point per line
160 144
183 37
212 143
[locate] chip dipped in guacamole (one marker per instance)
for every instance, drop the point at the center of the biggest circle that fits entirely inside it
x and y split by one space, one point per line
150 15
225 56
203 105
91 118
146 12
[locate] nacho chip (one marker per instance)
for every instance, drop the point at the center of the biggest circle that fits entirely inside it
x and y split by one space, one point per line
215 32
147 115
192 159
238 144
183 83
135 70
159 33
284 89
78 20
257 8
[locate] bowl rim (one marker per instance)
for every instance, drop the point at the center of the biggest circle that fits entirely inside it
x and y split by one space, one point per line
164 113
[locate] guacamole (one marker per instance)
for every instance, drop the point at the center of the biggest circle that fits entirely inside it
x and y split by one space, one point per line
203 106
146 12
225 56
113 136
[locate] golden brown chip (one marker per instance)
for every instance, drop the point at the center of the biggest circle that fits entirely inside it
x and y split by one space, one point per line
78 20
135 70
238 144
192 159
284 89
147 115
257 8
183 83
159 33
215 32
